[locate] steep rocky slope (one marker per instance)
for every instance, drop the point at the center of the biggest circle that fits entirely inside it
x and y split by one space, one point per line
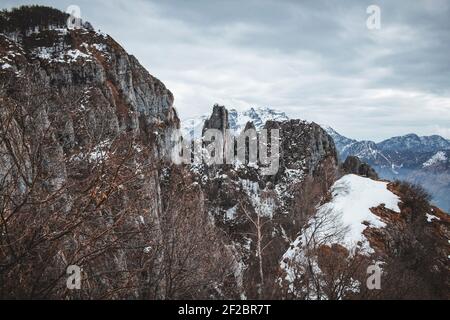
85 94
84 135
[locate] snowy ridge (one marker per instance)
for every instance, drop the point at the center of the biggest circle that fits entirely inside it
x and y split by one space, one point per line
340 221
258 116
349 211
353 196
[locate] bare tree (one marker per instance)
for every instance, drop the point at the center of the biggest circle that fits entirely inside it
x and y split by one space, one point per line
318 267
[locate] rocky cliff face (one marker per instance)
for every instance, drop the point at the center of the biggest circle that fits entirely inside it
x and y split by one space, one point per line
85 132
84 67
354 165
83 87
218 119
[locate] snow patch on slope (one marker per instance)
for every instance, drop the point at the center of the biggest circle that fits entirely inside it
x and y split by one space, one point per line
52 55
431 217
353 196
264 206
438 157
340 221
349 212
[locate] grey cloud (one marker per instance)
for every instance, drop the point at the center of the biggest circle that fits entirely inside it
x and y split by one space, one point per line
313 59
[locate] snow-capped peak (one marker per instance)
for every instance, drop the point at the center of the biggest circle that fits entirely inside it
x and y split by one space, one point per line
237 120
259 116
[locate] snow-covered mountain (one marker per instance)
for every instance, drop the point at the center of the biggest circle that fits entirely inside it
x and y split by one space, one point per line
408 151
390 147
237 120
414 142
339 140
423 160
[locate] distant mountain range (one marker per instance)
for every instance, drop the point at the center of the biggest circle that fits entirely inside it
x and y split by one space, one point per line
421 160
398 153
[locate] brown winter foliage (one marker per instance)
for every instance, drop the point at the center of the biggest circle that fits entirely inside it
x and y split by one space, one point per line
95 207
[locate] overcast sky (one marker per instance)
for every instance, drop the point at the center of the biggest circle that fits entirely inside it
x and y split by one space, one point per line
315 60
